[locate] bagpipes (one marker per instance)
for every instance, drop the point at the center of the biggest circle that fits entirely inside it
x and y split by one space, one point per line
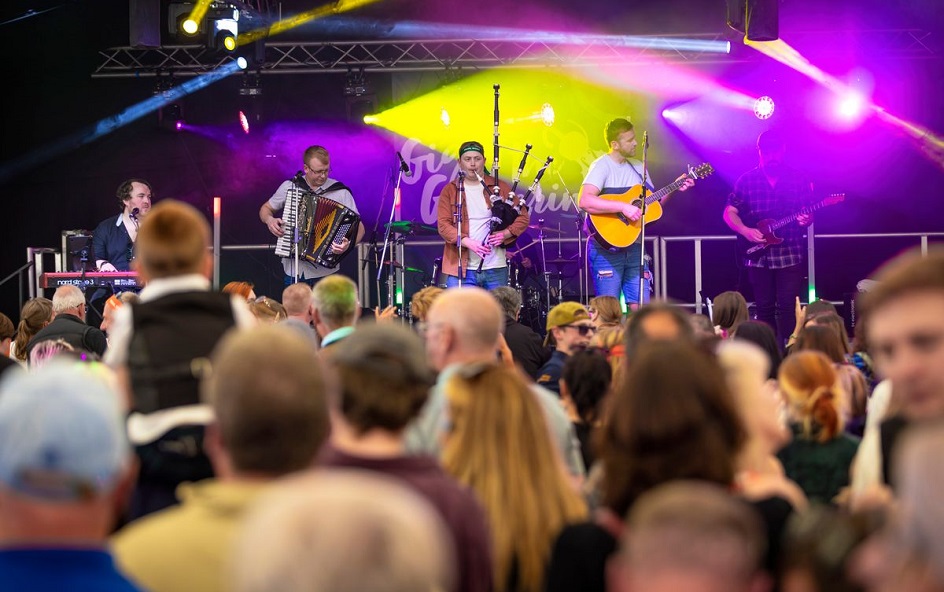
506 209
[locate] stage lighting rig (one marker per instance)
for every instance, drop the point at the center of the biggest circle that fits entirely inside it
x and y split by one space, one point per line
218 26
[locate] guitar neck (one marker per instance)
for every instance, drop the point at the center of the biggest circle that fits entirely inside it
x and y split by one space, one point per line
807 210
658 195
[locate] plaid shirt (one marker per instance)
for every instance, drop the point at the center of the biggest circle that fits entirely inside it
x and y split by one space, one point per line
756 200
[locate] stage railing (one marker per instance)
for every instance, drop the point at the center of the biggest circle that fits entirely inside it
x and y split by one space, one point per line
698 241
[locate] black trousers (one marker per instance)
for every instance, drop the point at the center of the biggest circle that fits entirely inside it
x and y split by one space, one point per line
775 292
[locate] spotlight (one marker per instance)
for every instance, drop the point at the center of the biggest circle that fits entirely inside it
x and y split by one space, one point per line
355 85
189 26
179 125
444 117
851 106
371 119
547 114
242 63
244 122
223 34
764 107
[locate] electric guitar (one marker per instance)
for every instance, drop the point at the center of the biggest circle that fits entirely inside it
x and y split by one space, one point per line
616 230
767 226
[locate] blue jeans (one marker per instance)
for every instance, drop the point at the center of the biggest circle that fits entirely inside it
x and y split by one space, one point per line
487 278
615 272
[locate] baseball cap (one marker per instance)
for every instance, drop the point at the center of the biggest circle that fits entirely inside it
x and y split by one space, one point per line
566 313
62 432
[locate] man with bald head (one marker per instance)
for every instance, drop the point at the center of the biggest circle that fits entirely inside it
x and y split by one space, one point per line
297 300
69 306
462 329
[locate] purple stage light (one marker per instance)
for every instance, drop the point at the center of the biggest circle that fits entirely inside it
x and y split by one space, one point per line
179 125
851 106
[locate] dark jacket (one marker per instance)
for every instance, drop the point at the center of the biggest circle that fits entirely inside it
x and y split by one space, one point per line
73 331
526 346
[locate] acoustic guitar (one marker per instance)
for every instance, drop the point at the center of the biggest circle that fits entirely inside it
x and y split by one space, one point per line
618 231
768 226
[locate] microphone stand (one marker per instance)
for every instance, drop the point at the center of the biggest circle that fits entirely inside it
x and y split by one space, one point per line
458 216
642 221
391 278
582 268
547 273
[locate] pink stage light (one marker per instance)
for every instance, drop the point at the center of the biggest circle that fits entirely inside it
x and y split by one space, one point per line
244 122
179 125
851 106
764 107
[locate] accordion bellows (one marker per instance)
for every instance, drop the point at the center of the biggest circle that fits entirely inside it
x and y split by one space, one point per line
312 223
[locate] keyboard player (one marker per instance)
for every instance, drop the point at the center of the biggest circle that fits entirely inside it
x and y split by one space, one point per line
314 177
113 239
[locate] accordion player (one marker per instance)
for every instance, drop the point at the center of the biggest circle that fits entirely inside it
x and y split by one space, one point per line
313 221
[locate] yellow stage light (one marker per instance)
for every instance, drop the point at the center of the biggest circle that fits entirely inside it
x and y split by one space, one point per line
190 27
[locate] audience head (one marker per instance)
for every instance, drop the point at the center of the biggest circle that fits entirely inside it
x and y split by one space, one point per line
267 311
463 326
242 289
69 300
729 310
692 536
334 303
342 531
493 415
509 299
384 379
665 425
813 391
658 321
173 241
36 314
268 392
835 322
904 314
47 350
610 341
701 325
605 311
422 301
819 546
818 308
114 302
585 381
64 455
297 301
762 335
822 339
569 327
746 369
6 334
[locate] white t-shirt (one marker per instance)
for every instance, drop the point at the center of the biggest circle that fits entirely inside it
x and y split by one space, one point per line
479 207
277 202
606 174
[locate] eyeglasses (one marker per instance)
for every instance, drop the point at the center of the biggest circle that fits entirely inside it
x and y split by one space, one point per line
582 329
319 173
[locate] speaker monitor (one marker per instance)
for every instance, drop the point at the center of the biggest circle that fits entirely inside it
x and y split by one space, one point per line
77 252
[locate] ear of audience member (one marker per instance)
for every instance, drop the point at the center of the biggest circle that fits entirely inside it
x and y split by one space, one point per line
692 536
762 335
65 471
527 496
384 381
267 392
728 311
342 531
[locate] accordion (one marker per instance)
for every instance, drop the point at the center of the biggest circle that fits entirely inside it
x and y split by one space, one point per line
311 223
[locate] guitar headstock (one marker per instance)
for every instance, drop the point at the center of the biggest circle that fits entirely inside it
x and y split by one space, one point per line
834 198
701 171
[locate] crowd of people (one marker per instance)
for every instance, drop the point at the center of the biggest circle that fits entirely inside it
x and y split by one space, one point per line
227 441
223 440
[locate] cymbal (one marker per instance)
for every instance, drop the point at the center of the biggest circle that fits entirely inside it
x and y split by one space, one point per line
411 227
560 261
545 229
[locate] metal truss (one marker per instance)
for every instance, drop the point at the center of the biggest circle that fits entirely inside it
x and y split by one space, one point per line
393 56
467 54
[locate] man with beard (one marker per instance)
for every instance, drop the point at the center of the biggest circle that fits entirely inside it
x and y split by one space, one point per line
113 240
772 191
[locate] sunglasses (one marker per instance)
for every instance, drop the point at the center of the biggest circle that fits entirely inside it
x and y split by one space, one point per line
582 329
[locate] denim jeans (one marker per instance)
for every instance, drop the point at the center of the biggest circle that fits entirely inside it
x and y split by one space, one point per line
775 292
617 271
487 278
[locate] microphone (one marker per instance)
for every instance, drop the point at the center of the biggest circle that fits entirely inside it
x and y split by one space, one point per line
134 213
404 166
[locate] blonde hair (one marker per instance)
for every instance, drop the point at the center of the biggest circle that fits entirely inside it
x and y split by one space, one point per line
423 300
813 389
500 446
609 313
267 310
610 341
